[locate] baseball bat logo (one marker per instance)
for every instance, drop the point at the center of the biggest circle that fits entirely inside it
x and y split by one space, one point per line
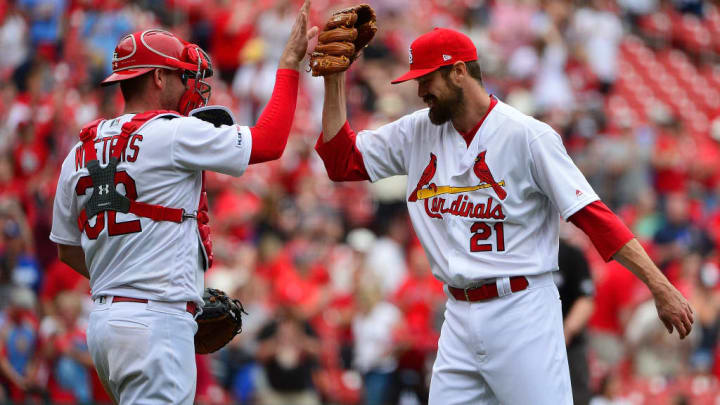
426 189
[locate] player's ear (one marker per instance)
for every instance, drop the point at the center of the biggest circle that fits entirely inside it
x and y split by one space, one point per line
159 78
459 72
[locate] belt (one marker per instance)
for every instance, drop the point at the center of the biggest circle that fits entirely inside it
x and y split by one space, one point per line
191 307
486 291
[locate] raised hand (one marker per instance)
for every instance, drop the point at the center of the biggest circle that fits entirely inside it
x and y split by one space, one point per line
297 44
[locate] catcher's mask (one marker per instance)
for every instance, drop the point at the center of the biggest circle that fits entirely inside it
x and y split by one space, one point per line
143 51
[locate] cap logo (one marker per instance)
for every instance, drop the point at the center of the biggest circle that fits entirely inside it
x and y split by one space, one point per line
410 52
446 58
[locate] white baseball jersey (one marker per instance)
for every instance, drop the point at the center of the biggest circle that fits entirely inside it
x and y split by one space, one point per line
487 210
135 256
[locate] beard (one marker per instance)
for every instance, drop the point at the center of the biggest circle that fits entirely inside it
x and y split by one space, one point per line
443 110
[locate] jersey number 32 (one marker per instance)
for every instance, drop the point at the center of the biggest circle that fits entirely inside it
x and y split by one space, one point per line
114 227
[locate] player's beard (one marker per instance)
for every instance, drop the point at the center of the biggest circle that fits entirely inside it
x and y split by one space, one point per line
445 109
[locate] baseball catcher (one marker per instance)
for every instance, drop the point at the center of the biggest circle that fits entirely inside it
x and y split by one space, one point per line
346 33
143 240
219 322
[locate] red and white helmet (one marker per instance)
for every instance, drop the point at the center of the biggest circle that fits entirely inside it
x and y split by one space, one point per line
143 51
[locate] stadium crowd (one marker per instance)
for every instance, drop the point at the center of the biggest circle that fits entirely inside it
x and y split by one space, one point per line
343 308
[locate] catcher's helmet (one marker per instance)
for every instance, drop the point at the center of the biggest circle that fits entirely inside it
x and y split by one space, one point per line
143 51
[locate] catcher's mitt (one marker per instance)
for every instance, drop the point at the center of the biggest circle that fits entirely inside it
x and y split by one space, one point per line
219 322
345 34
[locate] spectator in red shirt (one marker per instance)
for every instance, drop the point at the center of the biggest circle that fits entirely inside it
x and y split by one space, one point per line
420 298
617 293
673 154
59 278
233 28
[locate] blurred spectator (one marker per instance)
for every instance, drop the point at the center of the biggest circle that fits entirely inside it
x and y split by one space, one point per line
288 349
17 261
236 366
13 40
618 291
616 166
59 278
672 156
259 56
47 25
420 298
576 293
597 28
233 27
102 30
679 235
18 354
552 88
706 304
386 259
66 349
374 331
642 215
653 353
609 392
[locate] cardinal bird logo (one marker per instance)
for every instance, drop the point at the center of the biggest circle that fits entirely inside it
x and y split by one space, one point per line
482 170
427 175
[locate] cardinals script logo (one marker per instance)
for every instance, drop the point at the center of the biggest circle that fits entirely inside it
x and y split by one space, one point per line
430 193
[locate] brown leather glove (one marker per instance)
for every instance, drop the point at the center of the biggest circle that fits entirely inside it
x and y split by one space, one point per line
219 322
346 33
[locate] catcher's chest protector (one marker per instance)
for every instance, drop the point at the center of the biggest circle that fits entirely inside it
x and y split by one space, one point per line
106 198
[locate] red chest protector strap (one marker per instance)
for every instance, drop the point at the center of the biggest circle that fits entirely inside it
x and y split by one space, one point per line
118 202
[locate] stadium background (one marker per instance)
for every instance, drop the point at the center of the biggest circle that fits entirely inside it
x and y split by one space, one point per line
632 86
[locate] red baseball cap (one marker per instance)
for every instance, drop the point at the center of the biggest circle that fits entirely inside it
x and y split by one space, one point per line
437 48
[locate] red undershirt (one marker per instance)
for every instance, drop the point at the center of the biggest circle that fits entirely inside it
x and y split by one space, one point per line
344 162
270 134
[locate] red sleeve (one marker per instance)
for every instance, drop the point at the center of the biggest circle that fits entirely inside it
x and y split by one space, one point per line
343 161
270 134
606 231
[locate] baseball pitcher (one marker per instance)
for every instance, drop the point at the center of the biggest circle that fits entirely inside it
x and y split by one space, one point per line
486 184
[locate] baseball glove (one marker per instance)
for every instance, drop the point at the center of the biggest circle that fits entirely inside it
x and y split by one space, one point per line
219 322
345 34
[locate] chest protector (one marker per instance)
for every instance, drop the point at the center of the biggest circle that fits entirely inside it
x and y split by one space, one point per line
106 198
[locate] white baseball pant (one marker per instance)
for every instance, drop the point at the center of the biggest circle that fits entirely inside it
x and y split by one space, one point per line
144 353
508 350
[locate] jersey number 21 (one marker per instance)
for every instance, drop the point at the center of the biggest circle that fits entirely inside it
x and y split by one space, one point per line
481 231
